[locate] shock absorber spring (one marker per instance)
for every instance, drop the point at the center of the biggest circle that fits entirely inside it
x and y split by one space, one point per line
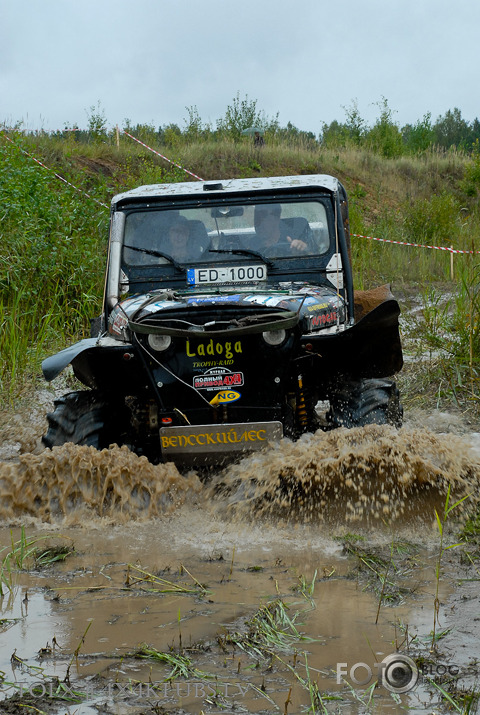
301 412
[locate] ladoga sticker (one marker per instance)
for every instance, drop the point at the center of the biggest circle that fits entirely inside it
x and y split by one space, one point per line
215 348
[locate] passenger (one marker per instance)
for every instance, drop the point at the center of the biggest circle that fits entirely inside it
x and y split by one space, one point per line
178 239
271 232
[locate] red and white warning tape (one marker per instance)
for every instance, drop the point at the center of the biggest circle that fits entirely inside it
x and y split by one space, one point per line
357 235
163 157
449 249
81 191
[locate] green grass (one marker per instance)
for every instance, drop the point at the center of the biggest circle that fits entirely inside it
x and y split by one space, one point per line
179 663
380 572
140 579
27 553
441 522
270 630
460 701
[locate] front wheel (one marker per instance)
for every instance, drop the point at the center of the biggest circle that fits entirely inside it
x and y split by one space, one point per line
84 418
355 403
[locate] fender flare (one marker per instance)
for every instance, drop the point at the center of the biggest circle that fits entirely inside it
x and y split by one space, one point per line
53 365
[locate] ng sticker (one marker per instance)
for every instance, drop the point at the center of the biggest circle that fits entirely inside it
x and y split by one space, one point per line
225 396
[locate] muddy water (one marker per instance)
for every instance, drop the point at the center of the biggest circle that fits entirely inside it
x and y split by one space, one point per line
169 561
372 473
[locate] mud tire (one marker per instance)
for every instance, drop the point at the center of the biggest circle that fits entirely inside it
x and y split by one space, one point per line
81 418
355 403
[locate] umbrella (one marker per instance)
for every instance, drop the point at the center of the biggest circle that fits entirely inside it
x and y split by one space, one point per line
250 131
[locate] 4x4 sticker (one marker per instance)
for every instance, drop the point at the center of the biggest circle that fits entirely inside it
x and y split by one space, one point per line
217 378
225 396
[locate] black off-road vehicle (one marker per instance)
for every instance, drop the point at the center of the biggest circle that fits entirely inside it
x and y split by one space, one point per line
229 316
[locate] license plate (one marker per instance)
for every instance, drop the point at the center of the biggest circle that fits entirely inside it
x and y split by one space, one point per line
205 439
226 274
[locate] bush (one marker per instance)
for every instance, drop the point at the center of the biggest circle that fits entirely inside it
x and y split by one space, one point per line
433 219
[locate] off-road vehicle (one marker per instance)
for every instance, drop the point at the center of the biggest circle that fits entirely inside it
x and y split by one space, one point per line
229 316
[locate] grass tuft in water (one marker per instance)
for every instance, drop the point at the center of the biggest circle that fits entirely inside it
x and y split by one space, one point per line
162 585
379 572
25 553
180 664
306 588
461 701
270 629
441 521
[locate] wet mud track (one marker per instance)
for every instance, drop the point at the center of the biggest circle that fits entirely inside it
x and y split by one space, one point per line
130 588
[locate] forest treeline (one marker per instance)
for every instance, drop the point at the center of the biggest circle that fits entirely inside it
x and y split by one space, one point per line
385 136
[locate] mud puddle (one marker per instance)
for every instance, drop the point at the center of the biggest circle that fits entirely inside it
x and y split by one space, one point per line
275 587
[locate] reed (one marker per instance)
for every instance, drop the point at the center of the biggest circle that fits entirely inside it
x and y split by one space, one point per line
441 522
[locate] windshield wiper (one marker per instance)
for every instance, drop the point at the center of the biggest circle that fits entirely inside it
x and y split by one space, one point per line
244 252
157 254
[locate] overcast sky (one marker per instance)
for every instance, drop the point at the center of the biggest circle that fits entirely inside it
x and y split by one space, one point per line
305 59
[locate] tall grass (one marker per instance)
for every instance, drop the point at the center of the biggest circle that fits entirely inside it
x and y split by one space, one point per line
52 251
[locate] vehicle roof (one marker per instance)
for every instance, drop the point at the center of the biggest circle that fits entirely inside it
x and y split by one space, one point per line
189 188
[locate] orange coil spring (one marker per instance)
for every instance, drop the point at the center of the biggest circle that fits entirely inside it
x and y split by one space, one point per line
302 418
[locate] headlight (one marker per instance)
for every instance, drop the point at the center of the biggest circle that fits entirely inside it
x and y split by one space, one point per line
274 337
159 342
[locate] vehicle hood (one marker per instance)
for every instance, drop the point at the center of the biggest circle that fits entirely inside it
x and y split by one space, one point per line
316 307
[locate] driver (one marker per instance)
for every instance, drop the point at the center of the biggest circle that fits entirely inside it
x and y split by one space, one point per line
271 232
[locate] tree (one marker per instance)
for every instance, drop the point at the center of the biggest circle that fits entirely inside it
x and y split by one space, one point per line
385 136
351 132
97 123
334 134
419 136
355 124
242 114
293 135
452 130
194 127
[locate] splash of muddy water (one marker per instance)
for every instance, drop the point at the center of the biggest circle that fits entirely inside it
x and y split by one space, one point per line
78 482
364 474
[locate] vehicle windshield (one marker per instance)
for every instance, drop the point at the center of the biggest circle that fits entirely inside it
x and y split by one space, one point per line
224 232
